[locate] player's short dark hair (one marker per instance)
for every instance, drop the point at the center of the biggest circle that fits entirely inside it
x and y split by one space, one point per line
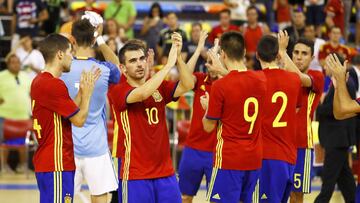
51 45
268 48
232 43
226 10
131 45
306 42
83 32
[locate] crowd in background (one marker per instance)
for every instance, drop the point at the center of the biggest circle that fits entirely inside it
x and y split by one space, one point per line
333 25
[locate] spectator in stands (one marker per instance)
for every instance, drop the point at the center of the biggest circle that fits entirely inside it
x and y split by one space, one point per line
335 15
253 30
54 8
152 26
334 46
66 27
124 12
14 100
357 36
310 34
111 42
27 15
225 26
315 14
336 136
164 43
238 10
283 16
196 29
296 30
90 5
31 59
113 30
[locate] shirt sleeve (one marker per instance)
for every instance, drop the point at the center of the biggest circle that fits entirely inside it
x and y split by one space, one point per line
114 76
216 103
57 99
118 95
317 81
132 10
167 91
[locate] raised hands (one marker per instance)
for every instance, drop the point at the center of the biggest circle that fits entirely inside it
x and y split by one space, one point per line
283 39
88 80
335 68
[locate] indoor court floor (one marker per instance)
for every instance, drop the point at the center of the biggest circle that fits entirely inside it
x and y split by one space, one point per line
16 188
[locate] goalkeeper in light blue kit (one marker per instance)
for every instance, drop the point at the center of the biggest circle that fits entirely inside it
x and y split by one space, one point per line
92 158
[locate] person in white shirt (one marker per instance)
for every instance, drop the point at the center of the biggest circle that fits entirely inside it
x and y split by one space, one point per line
31 59
238 10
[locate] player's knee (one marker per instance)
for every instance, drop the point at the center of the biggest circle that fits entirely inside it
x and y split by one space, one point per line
187 198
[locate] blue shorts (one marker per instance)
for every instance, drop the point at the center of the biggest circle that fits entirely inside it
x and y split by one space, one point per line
194 165
159 190
302 173
56 186
232 186
276 181
357 194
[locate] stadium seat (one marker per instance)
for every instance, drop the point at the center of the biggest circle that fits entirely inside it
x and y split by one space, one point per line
191 8
17 134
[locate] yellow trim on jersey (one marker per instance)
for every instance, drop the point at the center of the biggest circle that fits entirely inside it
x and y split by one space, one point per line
212 181
219 146
256 193
116 134
311 99
127 142
58 143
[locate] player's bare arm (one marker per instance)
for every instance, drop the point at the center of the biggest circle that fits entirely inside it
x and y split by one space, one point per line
343 106
209 125
187 81
283 39
149 87
106 51
87 84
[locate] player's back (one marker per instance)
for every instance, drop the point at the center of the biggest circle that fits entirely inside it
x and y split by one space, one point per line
239 142
279 119
91 139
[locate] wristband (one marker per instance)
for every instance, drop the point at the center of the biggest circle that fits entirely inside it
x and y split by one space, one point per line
100 40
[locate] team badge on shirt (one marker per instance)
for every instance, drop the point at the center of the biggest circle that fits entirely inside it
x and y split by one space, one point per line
157 96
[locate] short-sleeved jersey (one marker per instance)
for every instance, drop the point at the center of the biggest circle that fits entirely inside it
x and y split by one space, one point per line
142 134
279 121
337 8
91 139
197 137
310 97
327 49
51 108
236 101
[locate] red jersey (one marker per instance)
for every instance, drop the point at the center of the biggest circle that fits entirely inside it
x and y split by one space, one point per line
218 31
310 100
252 37
283 13
327 49
237 101
337 7
51 108
279 121
198 138
142 134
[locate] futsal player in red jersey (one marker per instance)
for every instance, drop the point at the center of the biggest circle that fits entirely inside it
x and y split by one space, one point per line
197 156
279 124
312 88
146 173
53 113
236 104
